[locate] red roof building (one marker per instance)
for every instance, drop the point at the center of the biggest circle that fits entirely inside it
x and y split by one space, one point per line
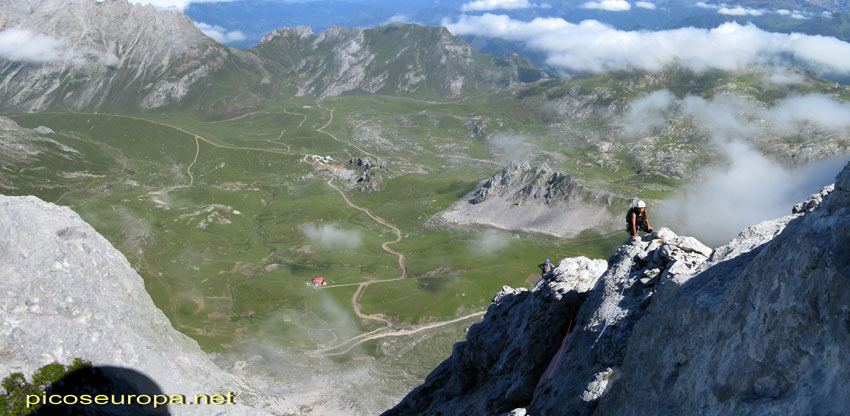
319 281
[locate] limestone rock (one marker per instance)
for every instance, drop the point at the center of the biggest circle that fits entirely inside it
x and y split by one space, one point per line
534 198
813 201
499 365
762 330
392 59
758 326
67 293
108 54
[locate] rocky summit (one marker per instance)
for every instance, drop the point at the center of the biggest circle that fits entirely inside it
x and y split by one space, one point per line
394 59
67 293
111 53
535 198
758 326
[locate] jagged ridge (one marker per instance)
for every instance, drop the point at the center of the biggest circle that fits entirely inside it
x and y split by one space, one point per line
758 327
393 59
535 198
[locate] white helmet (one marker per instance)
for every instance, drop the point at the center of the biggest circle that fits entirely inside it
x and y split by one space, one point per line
641 204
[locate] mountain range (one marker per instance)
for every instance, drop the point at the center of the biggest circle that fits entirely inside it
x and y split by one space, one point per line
118 55
415 176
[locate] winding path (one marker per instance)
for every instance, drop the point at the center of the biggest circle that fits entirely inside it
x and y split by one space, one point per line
331 119
388 330
386 245
397 333
234 118
189 169
298 114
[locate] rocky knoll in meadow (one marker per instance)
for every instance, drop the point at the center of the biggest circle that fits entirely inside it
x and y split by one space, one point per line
535 198
758 326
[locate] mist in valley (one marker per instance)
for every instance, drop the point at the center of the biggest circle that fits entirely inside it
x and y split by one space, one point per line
744 186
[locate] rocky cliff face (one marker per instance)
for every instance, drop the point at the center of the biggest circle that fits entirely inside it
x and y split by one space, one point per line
535 198
759 326
88 54
68 293
764 332
394 59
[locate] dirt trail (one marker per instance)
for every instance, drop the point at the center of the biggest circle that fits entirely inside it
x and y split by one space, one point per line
396 230
355 341
71 191
331 119
280 136
297 114
235 118
189 169
361 286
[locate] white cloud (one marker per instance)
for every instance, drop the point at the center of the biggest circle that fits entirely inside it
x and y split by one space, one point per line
175 5
510 147
793 14
220 34
739 11
648 113
22 45
812 109
398 18
749 187
782 76
331 236
704 5
609 5
490 242
645 5
594 46
732 117
483 5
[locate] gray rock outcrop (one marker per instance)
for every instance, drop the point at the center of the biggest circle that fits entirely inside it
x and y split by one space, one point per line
813 201
393 59
535 198
762 332
758 326
498 366
113 53
67 293
524 346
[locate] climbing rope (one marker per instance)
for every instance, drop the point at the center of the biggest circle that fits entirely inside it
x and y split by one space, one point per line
551 370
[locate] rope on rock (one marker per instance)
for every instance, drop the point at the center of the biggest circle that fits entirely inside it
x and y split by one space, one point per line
551 370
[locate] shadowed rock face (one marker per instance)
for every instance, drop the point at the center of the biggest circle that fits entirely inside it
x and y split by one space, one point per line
767 336
66 292
504 356
523 331
759 326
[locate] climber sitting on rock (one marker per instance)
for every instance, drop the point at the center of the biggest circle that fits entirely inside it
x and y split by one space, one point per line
636 219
